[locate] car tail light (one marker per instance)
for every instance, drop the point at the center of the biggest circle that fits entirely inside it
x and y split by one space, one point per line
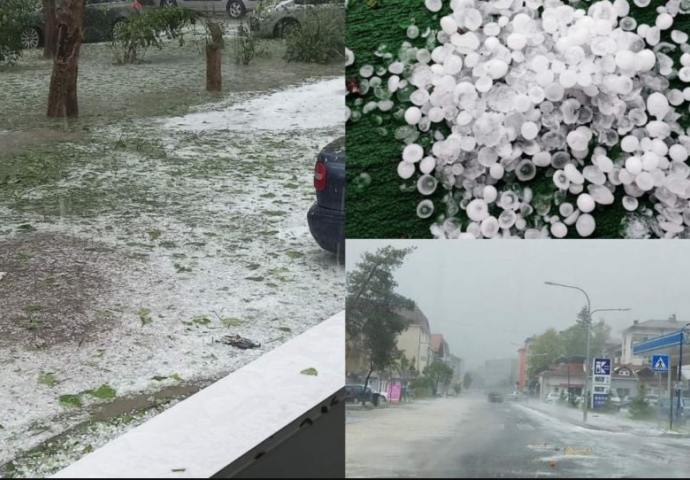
320 176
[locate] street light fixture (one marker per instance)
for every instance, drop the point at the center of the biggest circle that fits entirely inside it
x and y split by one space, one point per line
589 334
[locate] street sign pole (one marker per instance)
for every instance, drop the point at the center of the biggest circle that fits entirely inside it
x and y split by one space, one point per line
659 401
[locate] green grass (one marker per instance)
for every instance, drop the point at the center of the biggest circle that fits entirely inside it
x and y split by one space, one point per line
70 401
381 209
104 392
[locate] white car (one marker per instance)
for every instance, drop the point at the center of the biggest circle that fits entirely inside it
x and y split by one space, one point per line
552 397
234 8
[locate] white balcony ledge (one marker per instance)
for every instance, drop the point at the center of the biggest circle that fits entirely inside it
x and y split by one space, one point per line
217 431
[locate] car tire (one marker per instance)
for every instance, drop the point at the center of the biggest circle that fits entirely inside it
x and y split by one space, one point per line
31 38
236 9
117 27
168 3
287 27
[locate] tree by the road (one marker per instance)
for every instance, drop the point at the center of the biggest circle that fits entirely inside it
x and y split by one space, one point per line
467 381
370 288
62 98
545 348
50 30
439 373
639 407
372 307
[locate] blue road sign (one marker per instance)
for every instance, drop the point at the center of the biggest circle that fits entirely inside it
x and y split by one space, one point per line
602 366
659 343
660 363
599 400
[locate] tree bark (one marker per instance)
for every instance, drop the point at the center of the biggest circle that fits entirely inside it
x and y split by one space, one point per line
214 80
366 384
62 99
50 33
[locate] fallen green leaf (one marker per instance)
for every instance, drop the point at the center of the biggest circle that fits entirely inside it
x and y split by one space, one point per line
232 322
103 392
312 372
72 401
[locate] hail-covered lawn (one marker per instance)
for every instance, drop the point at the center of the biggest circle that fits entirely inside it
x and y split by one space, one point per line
136 238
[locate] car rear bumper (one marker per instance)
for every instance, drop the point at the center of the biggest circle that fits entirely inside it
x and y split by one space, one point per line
328 228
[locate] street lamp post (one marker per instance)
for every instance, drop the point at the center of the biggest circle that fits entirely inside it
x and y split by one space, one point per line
680 368
589 334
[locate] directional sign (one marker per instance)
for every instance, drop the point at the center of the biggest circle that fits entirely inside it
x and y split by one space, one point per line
599 400
602 366
660 363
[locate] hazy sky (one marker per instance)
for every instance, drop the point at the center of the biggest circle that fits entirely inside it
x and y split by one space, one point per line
485 295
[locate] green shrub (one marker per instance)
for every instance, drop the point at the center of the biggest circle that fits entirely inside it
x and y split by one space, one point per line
246 45
639 407
14 15
148 29
320 38
421 386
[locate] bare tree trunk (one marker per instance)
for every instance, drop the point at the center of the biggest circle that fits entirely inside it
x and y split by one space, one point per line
50 33
62 99
366 384
214 80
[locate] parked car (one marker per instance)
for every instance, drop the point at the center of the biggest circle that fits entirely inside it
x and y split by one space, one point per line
355 393
552 397
327 216
513 396
102 20
234 8
282 18
495 397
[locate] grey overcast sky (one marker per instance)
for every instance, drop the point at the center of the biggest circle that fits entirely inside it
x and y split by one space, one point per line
484 296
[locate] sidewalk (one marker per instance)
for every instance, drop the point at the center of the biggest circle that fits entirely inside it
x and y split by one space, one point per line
613 422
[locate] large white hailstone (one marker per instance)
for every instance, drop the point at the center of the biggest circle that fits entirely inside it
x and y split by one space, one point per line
413 115
413 153
630 203
496 171
349 57
585 203
477 210
559 230
633 165
529 130
664 21
657 105
645 181
489 227
573 174
629 143
425 208
645 60
449 25
678 153
496 69
433 5
566 209
405 170
427 165
585 225
490 194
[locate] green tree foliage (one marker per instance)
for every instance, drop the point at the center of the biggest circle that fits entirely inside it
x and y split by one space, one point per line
439 374
639 407
467 381
14 16
372 307
147 30
546 348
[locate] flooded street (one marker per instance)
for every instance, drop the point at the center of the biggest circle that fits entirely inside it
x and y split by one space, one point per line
468 437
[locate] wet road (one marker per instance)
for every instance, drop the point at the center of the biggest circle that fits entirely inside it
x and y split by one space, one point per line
468 437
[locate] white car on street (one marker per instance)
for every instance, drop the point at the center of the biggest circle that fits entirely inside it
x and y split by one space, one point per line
552 397
234 8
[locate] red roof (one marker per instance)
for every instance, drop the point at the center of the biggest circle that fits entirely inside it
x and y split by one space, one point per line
436 342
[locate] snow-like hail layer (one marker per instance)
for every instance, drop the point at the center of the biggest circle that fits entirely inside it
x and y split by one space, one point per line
313 105
231 208
509 96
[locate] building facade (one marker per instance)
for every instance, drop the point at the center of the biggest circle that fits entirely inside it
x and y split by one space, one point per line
415 342
642 331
